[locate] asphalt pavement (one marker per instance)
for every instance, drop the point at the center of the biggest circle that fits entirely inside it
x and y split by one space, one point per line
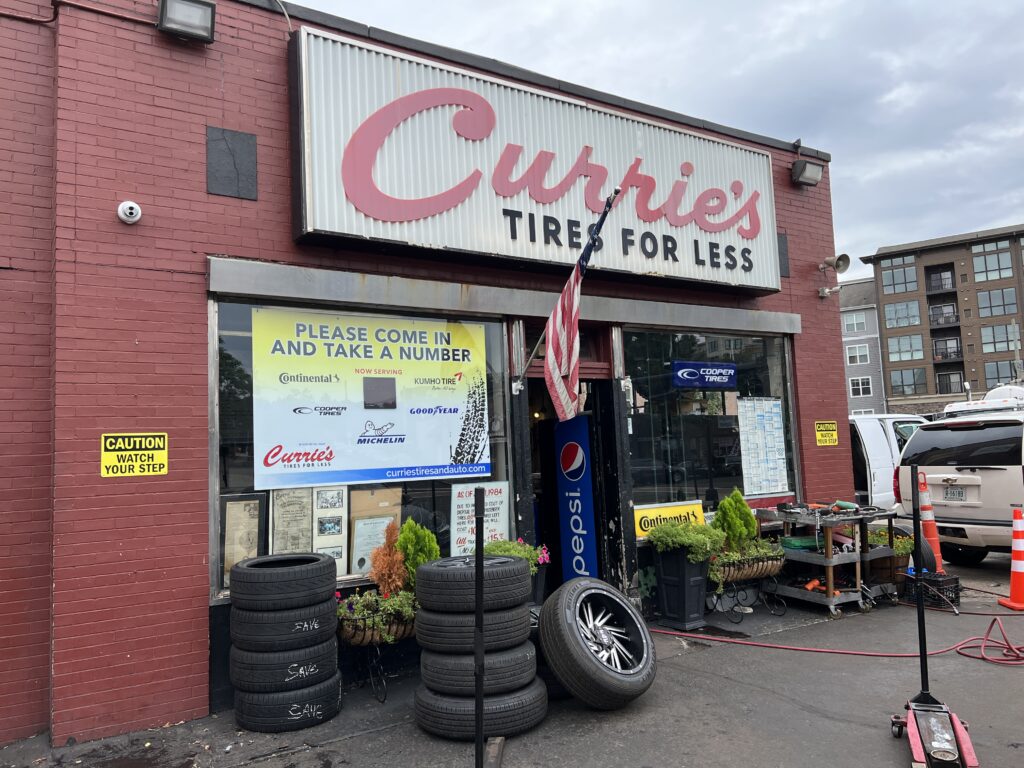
712 704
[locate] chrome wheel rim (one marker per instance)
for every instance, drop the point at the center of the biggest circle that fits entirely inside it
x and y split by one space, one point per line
610 633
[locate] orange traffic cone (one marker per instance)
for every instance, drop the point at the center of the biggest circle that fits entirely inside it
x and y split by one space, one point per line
1016 598
929 530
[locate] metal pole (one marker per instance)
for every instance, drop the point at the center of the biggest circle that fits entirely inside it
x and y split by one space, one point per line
478 644
922 640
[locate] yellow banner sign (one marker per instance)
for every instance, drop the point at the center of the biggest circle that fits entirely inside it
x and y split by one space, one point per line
133 454
648 516
826 433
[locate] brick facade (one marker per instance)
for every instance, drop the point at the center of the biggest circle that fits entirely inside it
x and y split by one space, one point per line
111 332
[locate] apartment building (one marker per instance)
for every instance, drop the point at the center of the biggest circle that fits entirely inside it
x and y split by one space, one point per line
862 359
949 313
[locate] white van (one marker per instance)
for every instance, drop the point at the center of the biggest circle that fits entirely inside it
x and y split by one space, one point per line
974 466
877 439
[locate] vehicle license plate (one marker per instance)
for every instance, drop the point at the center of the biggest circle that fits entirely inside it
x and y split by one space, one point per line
954 493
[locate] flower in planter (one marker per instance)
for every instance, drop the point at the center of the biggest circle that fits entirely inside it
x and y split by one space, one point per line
535 556
372 614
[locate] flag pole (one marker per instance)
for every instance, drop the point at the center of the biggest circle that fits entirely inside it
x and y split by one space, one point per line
517 385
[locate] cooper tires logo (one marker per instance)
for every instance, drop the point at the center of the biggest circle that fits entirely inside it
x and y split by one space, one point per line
320 410
573 461
302 410
688 374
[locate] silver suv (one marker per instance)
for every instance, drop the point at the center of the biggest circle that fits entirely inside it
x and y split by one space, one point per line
975 472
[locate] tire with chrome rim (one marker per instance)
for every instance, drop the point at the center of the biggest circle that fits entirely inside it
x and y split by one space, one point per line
597 644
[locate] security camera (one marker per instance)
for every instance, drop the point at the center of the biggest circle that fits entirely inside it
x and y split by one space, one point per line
129 212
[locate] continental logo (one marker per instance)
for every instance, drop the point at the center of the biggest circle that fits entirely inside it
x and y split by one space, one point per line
645 520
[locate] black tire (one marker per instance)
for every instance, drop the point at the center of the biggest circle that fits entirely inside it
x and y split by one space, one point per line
288 710
449 584
280 582
267 631
454 632
957 555
575 661
283 670
453 674
506 714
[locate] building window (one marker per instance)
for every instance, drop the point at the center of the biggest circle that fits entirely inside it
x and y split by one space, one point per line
997 338
323 515
854 322
992 261
862 411
946 349
949 383
860 387
911 381
902 314
906 348
943 314
857 354
1000 372
1001 301
685 443
897 278
967 313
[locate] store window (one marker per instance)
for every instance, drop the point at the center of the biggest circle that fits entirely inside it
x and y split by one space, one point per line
992 261
906 348
1002 301
340 422
708 413
997 338
910 381
860 386
1000 372
899 274
854 322
857 354
902 314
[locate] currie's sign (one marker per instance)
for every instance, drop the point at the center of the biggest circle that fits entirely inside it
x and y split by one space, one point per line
397 148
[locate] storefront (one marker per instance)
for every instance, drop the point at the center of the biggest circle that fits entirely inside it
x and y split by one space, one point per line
295 368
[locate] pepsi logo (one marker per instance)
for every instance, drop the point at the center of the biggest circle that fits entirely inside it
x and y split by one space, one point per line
573 461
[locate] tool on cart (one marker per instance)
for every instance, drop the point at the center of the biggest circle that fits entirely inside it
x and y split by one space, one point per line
937 737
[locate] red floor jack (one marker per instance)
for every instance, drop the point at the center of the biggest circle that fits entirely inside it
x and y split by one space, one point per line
937 737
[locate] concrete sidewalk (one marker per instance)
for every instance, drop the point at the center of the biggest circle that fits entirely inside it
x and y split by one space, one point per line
711 705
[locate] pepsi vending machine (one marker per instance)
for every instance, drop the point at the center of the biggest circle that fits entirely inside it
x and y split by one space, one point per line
575 499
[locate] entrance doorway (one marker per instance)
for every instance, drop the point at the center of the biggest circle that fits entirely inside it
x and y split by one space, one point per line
606 536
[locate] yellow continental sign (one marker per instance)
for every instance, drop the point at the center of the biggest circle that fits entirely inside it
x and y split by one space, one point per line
648 516
826 433
133 454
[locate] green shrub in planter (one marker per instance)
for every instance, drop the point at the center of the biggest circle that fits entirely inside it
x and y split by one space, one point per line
734 518
682 551
700 541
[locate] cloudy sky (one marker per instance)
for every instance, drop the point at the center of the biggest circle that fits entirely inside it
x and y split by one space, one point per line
921 104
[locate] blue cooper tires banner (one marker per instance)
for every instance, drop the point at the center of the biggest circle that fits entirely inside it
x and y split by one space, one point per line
575 498
687 374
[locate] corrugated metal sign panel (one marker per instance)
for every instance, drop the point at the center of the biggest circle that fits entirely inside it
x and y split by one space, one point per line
408 150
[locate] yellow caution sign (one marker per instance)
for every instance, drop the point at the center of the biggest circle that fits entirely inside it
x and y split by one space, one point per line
134 454
826 433
648 516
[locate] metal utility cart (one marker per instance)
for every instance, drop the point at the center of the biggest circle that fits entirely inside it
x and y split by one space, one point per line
824 522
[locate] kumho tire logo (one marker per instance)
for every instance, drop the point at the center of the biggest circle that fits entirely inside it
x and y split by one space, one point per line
573 462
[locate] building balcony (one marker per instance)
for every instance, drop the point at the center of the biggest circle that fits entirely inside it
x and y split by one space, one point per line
948 356
943 320
940 284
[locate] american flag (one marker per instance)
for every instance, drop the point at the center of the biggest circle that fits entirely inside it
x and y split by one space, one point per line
562 357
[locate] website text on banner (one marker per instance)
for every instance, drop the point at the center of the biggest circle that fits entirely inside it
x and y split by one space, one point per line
363 399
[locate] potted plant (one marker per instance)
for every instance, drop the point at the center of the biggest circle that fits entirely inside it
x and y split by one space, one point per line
537 557
745 556
387 614
903 548
682 553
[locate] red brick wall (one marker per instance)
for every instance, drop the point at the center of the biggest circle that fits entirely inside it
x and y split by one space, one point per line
26 395
130 555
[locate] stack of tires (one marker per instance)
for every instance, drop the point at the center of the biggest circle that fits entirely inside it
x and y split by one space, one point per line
515 700
284 652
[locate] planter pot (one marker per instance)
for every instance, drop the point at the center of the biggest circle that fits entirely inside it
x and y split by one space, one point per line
682 588
360 631
751 568
538 584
